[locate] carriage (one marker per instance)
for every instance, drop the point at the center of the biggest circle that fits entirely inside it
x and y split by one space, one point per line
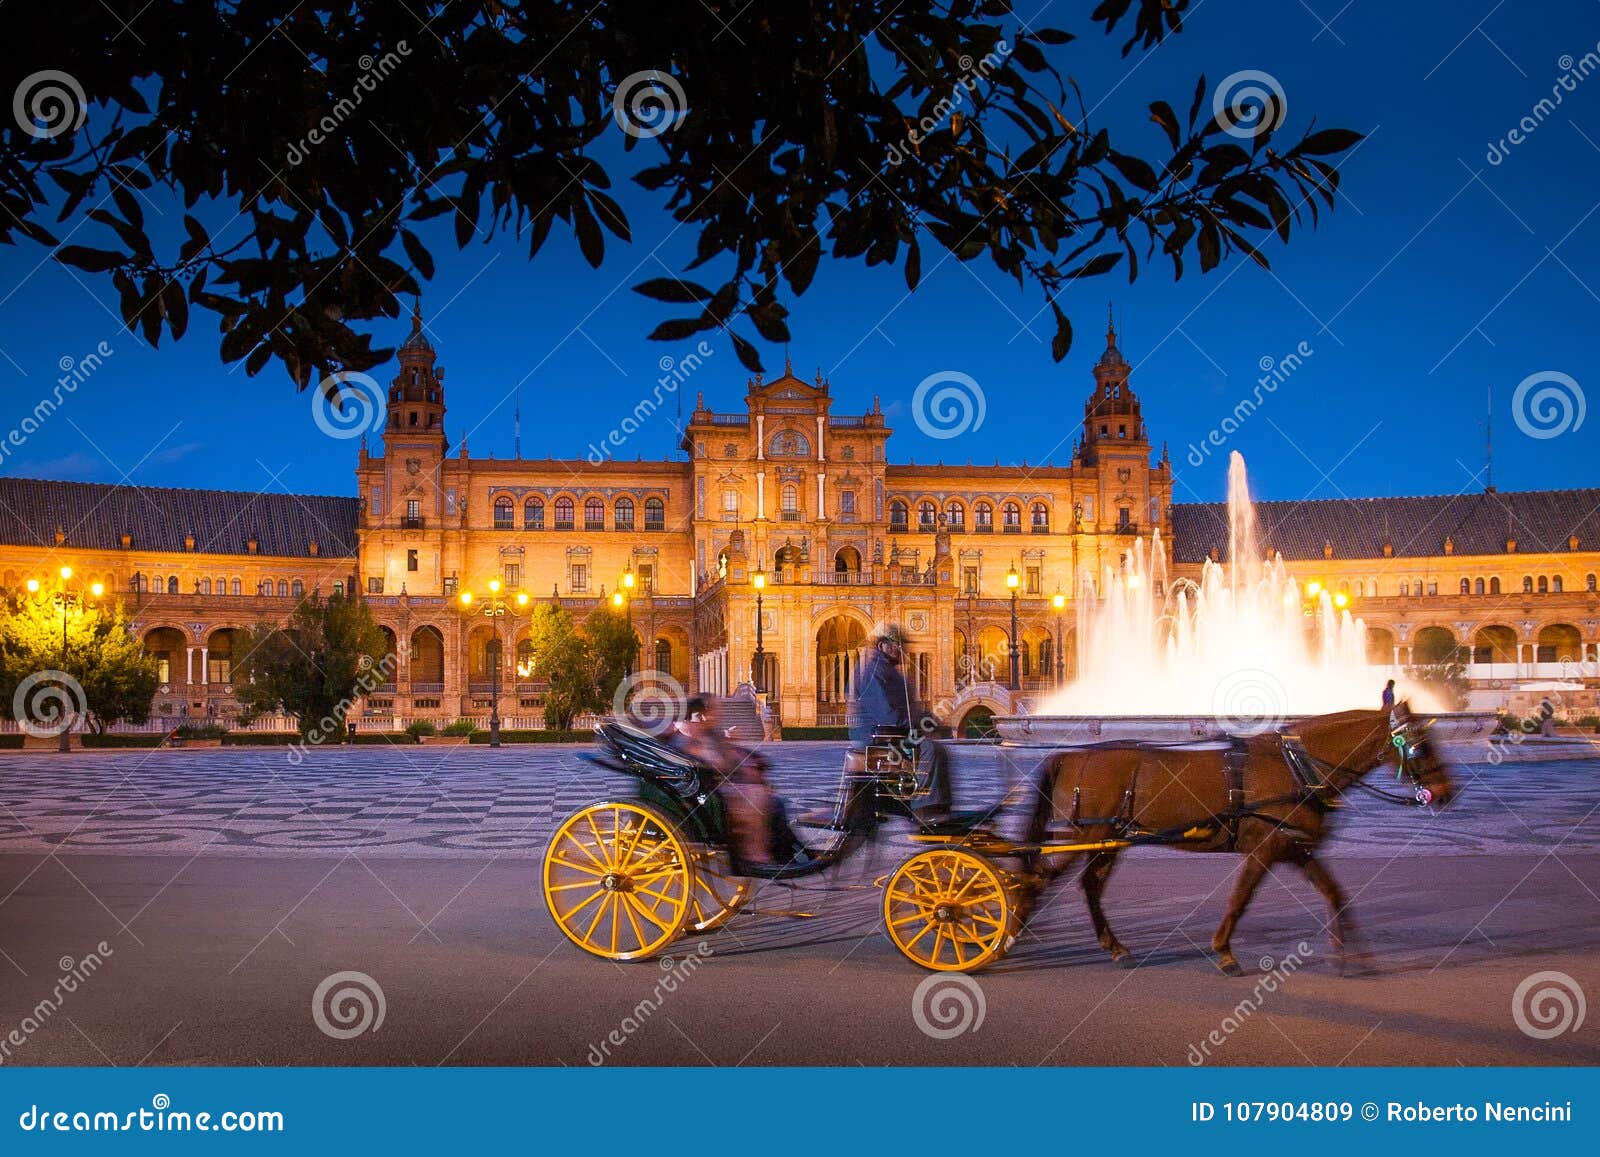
625 878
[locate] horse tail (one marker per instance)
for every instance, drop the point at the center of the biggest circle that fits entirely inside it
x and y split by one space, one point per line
1042 781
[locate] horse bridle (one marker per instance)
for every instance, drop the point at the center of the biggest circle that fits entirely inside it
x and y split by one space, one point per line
1405 745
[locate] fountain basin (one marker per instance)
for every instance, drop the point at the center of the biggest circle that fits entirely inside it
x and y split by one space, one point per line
1457 732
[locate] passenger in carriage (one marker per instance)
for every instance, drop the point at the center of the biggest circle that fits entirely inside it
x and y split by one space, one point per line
741 780
882 707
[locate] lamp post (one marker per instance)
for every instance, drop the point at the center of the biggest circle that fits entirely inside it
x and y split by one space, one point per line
626 590
495 607
758 583
1059 601
67 601
1013 581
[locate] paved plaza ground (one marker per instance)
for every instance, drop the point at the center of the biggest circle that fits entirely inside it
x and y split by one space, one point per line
228 884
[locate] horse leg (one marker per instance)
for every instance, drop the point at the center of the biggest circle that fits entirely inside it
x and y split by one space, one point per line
1256 865
1095 875
1341 928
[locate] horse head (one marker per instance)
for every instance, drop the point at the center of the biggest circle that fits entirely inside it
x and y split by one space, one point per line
1412 751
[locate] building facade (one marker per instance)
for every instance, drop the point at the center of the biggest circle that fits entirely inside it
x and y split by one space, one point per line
806 500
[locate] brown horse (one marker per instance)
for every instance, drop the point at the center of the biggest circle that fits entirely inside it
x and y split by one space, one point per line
1268 800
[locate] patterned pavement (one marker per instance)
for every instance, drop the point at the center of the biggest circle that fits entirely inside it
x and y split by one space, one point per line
472 801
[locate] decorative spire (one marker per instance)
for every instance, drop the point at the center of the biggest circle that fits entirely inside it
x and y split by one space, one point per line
417 342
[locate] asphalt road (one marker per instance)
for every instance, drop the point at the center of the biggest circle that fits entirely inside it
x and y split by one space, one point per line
215 957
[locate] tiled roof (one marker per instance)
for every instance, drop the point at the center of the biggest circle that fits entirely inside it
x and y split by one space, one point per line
95 516
1479 523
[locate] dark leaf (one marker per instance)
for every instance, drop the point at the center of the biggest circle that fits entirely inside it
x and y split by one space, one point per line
672 289
1061 344
418 253
748 357
1327 141
92 260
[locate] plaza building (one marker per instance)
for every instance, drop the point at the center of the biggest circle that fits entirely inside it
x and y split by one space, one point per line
763 555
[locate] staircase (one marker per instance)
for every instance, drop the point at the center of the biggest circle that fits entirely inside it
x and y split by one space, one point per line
741 714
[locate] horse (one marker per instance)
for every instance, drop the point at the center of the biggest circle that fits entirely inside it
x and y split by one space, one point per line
1268 798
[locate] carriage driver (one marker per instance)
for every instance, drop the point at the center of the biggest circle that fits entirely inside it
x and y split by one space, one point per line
882 707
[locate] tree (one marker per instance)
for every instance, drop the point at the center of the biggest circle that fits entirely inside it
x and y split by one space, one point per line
1446 678
329 655
869 130
612 651
109 676
561 658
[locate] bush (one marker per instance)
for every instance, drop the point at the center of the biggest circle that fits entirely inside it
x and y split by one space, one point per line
805 733
392 738
417 728
202 731
520 735
259 739
460 727
1589 722
112 739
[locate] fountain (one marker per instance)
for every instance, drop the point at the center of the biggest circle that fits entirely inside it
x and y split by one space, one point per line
1246 649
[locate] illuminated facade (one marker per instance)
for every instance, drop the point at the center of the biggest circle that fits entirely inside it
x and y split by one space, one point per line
842 536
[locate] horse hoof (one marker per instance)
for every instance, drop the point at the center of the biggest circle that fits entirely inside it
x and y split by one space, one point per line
1230 966
1126 960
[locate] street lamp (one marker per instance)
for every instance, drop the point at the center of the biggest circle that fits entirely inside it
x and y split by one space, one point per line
1013 581
494 608
758 583
1059 601
625 597
67 601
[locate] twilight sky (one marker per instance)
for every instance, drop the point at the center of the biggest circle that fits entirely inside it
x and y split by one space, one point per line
1458 262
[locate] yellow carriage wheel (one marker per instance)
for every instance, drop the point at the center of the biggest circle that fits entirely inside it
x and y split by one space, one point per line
618 880
717 893
949 910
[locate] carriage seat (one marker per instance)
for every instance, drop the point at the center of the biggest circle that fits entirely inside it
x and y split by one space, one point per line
638 752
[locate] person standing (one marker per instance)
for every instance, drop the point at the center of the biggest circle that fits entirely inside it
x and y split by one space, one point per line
881 707
1388 696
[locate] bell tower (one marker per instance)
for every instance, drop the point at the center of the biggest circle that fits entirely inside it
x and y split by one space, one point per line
416 395
1111 417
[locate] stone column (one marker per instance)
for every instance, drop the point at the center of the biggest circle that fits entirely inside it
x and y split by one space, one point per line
188 667
205 672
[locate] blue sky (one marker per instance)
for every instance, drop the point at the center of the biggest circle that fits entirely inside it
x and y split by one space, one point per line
1440 277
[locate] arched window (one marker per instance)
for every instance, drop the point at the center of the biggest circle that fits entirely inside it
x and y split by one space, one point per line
502 513
297 589
898 514
1544 585
1405 588
1590 582
927 514
283 589
205 586
663 656
1527 584
533 514
1466 586
564 507
655 514
1477 587
955 515
983 517
790 503
172 585
789 444
222 586
1011 513
622 514
1041 518
1556 585
338 588
594 514
1494 585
